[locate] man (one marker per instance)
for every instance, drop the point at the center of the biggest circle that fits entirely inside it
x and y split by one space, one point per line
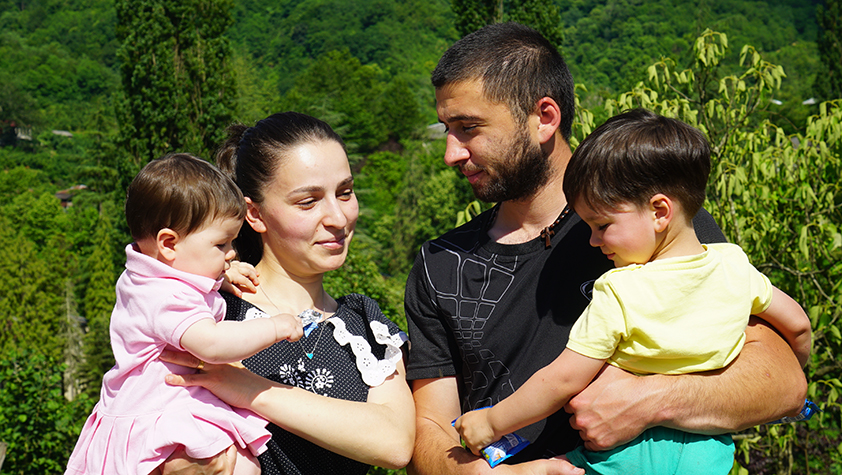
491 302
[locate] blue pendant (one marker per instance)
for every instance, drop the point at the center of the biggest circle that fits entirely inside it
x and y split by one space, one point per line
309 355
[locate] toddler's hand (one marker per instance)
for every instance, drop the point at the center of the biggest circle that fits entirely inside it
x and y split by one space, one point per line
287 327
240 277
475 430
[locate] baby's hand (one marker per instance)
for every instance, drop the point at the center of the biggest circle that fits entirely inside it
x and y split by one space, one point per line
240 277
287 327
475 430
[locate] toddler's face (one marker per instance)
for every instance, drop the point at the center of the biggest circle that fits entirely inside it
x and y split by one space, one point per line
626 235
207 251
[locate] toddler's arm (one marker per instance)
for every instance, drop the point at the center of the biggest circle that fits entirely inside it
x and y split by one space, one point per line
230 341
546 392
787 316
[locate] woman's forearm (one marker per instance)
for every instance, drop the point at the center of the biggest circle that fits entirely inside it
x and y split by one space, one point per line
379 432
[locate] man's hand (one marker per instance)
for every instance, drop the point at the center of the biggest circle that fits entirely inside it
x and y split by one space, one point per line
612 410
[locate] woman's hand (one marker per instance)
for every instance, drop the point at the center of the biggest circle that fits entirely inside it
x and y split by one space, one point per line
179 463
240 277
232 383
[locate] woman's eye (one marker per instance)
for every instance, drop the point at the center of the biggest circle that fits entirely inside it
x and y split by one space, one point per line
346 194
602 227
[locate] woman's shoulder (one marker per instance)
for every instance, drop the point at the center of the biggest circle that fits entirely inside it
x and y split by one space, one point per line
375 340
365 310
239 309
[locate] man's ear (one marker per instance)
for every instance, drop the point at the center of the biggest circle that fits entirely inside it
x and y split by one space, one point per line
549 119
663 211
165 241
253 217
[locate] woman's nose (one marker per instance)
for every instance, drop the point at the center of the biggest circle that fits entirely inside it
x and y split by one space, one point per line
334 214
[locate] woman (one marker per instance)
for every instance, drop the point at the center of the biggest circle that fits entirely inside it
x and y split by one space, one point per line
302 210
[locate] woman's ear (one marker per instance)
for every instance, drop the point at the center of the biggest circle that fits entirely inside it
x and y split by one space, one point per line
253 217
663 209
165 242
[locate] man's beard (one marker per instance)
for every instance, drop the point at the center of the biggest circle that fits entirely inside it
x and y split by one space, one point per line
519 172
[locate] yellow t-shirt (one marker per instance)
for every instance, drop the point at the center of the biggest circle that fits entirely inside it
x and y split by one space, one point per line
675 315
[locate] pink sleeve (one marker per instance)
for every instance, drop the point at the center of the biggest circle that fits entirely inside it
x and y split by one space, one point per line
184 308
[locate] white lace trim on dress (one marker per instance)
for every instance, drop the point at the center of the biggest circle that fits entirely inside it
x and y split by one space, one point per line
373 371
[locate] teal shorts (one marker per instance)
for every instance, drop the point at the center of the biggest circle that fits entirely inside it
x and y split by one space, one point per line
661 451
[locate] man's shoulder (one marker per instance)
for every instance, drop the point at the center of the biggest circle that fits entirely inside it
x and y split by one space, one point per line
463 239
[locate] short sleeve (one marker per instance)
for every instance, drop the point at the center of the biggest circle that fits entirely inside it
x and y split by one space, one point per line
599 329
432 350
761 291
184 308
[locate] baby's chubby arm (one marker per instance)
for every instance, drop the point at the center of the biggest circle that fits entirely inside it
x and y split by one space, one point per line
229 341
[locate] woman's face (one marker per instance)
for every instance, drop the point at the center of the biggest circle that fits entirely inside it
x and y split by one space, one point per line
309 210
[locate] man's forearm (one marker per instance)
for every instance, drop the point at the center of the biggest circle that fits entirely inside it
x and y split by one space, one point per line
437 448
762 384
765 382
436 453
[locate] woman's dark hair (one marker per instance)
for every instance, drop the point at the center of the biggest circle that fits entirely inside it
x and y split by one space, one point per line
251 156
636 155
516 66
180 192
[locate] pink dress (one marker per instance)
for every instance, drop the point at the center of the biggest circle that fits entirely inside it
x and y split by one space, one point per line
140 420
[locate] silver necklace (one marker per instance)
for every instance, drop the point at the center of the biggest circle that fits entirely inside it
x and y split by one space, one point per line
309 320
318 339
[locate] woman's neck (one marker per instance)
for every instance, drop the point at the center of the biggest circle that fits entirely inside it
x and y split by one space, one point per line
282 292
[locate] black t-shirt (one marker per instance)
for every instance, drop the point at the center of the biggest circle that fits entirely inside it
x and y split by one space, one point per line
493 314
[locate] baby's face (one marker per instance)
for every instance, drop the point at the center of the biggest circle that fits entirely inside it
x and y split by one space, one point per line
208 251
625 234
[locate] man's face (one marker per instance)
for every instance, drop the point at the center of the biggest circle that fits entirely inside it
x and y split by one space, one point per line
497 154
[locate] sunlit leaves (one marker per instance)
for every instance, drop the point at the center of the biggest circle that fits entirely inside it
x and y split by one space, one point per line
777 195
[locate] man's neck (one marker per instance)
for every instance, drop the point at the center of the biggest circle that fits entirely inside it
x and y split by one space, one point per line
523 220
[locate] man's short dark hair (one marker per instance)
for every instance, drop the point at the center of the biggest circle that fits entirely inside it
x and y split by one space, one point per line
636 155
515 65
180 192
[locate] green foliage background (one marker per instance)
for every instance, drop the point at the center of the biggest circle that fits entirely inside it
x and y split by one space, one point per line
133 79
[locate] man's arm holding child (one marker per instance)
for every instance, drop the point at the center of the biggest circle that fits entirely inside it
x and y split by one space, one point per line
618 406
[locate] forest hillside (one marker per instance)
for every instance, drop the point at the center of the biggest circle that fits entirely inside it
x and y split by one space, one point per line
86 99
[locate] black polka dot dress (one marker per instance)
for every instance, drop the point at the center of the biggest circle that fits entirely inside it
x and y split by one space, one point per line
356 348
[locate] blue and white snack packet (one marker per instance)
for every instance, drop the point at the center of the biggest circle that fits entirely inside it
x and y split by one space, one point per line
309 319
806 413
504 448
